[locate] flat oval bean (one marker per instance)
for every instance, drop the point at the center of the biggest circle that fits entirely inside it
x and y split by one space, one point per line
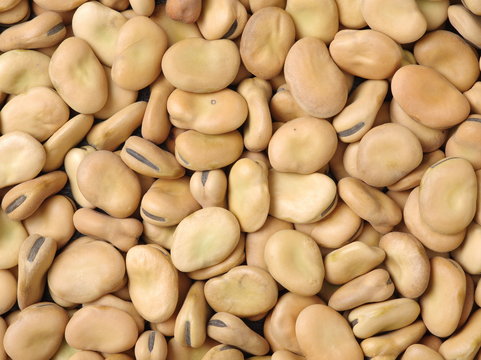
8 288
222 19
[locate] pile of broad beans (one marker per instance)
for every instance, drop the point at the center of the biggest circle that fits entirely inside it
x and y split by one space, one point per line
240 179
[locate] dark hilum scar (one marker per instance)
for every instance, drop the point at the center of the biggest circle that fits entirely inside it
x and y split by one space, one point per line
15 204
152 216
57 28
151 341
35 248
217 323
231 30
351 130
141 158
187 333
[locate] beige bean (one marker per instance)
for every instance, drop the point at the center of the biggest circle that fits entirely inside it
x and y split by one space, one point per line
139 49
200 152
153 283
258 127
122 233
142 7
23 157
336 229
118 5
3 328
177 351
111 133
302 145
406 26
223 352
8 289
65 15
34 259
283 107
401 153
71 55
318 19
183 68
390 345
85 355
370 204
151 345
60 5
468 301
12 235
350 15
285 355
418 227
190 324
36 333
101 328
209 187
366 53
243 291
430 139
301 198
24 199
446 178
466 343
407 262
86 270
446 291
156 124
222 19
16 14
159 235
415 97
99 26
435 12
466 23
357 118
45 30
103 179
212 114
185 11
455 54
420 352
229 329
204 238
23 69
466 254
280 328
8 4
72 160
38 112
295 261
318 86
175 30
464 141
371 319
473 97
167 202
374 286
324 334
266 39
351 261
248 195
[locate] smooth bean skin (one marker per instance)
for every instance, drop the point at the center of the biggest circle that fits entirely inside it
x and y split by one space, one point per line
151 345
8 289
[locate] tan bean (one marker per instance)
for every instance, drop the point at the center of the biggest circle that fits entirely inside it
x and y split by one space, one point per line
229 329
466 343
366 53
374 286
101 328
8 289
23 157
217 150
351 261
324 334
406 26
418 227
443 180
243 291
314 18
466 254
182 67
318 86
71 55
407 262
447 285
72 160
24 199
60 5
350 15
8 4
99 26
86 355
223 352
209 187
431 341
466 23
463 142
153 283
473 97
390 345
435 12
65 15
12 235
357 118
86 270
258 129
420 352
23 69
16 14
3 328
266 39
301 198
122 233
156 124
151 345
285 355
36 333
212 114
102 179
222 19
167 202
177 351
283 107
185 11
369 204
415 98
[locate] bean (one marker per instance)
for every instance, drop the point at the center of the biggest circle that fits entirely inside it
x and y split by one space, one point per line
151 345
222 19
